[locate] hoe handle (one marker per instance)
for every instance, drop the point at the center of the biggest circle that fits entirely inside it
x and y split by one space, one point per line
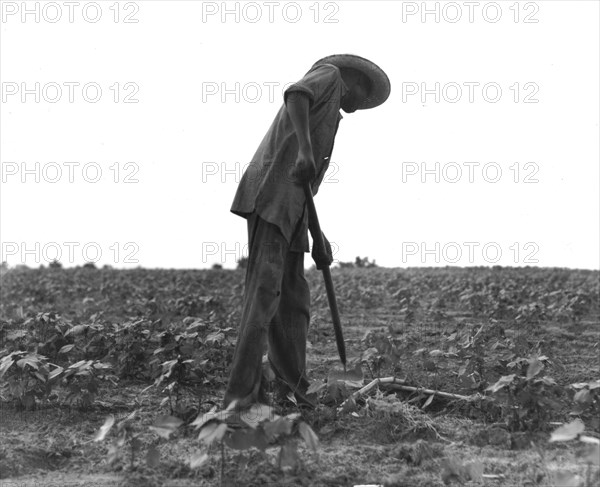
319 241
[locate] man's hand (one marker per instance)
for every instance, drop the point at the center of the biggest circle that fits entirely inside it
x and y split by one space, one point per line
322 260
304 169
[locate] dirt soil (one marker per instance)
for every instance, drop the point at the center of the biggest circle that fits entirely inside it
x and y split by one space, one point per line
449 329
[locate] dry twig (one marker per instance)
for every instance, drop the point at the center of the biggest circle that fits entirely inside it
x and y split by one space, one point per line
399 384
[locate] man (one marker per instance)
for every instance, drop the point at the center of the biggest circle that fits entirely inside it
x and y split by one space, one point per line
296 149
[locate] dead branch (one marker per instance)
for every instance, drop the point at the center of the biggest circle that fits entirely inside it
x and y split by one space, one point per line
399 384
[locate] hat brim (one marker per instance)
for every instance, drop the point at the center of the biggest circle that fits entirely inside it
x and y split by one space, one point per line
380 82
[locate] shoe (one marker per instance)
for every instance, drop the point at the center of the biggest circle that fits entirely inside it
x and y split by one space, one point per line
282 392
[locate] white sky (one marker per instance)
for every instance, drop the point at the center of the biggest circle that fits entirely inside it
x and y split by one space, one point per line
180 138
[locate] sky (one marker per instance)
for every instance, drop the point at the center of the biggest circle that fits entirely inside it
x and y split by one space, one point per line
126 126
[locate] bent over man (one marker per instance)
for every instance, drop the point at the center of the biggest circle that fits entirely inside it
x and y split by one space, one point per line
296 148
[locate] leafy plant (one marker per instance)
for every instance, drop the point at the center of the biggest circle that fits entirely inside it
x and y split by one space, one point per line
131 343
472 352
381 355
529 401
173 372
187 354
255 427
587 400
82 381
128 437
29 378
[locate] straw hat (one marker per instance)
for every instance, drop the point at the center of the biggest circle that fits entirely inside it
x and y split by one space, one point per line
379 81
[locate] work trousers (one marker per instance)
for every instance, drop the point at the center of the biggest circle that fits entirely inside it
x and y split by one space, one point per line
275 316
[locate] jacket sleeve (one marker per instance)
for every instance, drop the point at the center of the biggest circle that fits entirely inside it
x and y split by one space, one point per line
322 84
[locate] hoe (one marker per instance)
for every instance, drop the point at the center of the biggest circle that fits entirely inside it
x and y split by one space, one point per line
320 243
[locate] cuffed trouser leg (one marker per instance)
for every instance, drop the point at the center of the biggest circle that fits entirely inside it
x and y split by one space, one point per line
267 256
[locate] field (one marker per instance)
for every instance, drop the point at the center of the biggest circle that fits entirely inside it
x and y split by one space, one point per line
146 354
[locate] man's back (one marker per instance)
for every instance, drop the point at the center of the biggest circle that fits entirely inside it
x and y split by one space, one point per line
266 187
